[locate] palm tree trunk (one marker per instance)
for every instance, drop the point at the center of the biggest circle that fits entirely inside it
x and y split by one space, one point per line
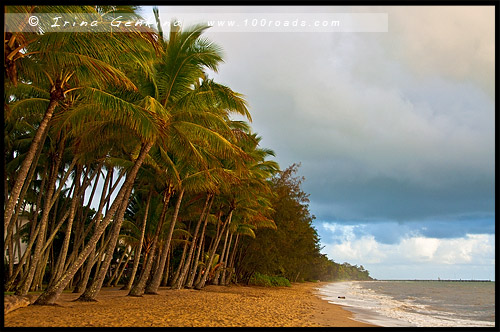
23 260
166 272
138 250
91 292
115 272
190 281
178 284
19 253
222 258
34 220
94 187
45 254
64 250
117 280
50 199
80 226
105 235
40 272
203 280
82 285
225 261
22 195
52 293
33 232
35 229
9 245
138 289
95 222
175 279
28 160
26 284
200 272
195 267
152 287
38 204
231 260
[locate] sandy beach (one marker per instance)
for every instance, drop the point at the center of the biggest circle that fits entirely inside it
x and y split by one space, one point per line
214 306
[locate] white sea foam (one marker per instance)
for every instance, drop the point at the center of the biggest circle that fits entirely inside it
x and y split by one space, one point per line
383 310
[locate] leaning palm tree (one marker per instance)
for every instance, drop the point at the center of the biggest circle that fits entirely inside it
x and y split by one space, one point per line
52 293
185 58
57 65
243 196
145 120
197 109
138 211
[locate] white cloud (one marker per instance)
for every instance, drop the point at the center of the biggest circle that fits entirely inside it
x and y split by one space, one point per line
365 250
473 248
457 41
415 253
417 249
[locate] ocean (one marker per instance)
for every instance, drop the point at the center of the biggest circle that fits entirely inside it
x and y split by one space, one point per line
416 303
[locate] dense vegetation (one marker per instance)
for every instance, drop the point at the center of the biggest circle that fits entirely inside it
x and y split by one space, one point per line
123 167
292 250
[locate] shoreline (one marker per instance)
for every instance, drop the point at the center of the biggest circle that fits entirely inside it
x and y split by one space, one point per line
214 306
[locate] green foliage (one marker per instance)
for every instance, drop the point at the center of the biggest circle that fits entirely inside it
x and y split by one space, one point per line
259 279
292 250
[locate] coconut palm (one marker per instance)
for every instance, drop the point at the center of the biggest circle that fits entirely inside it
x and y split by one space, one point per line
197 109
57 65
146 131
167 107
138 214
246 195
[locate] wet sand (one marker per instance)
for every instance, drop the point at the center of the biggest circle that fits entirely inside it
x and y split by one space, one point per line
214 306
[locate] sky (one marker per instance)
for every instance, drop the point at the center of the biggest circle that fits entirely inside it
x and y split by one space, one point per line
394 129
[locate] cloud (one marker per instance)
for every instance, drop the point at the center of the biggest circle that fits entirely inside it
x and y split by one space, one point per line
385 197
451 256
455 41
391 232
366 247
418 249
373 138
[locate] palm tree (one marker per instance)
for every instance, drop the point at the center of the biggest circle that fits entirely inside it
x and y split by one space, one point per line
247 195
166 106
58 64
202 216
199 242
146 120
197 109
140 232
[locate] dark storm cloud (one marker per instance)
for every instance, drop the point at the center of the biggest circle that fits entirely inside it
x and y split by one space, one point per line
394 199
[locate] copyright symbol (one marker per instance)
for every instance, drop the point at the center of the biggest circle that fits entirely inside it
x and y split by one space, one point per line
33 21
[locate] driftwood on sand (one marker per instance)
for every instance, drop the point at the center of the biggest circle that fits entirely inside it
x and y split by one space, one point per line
13 302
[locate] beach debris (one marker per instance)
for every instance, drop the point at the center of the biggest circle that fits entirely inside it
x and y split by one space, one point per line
13 302
341 297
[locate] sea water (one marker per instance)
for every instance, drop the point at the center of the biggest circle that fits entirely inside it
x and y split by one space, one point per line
416 303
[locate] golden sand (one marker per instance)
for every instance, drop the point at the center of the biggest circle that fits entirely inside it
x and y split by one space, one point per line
214 306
